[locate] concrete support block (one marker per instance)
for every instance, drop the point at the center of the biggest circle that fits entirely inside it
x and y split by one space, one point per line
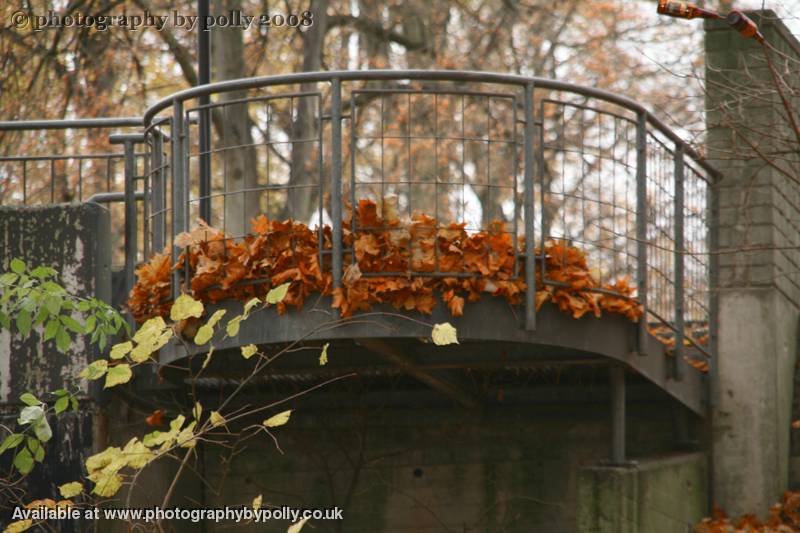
607 500
664 495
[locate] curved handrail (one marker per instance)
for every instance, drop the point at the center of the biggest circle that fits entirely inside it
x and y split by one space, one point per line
428 75
65 124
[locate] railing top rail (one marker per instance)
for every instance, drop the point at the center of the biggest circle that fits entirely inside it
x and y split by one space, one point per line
75 123
427 75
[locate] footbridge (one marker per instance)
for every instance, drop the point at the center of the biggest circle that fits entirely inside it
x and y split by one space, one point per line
558 228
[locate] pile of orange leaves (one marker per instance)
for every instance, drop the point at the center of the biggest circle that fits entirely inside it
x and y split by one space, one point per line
784 517
286 251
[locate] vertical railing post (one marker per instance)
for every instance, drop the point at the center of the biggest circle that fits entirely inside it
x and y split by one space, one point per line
204 145
157 184
179 214
131 224
617 386
530 259
679 253
204 140
128 142
336 181
641 226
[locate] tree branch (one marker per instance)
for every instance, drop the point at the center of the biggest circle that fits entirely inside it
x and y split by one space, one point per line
374 28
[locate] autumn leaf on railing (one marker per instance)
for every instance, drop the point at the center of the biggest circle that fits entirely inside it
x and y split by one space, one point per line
408 250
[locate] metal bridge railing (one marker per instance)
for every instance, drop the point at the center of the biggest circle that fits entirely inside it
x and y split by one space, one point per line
62 161
546 159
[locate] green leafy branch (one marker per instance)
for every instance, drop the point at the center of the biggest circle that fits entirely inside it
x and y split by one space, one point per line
30 443
31 298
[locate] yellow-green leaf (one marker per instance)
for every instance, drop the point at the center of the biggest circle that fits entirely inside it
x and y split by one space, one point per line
69 490
149 330
206 331
216 419
233 326
136 454
165 438
177 422
323 357
151 336
250 305
257 502
184 307
117 375
118 351
185 438
102 459
296 527
107 484
19 526
277 294
95 370
29 399
444 334
204 334
249 350
24 461
215 317
141 353
278 420
155 438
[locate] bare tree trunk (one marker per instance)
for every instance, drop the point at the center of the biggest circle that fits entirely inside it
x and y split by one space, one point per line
238 160
302 199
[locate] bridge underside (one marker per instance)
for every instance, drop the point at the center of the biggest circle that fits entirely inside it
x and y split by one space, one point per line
493 342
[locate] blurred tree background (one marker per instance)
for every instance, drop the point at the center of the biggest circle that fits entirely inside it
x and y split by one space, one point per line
75 72
83 72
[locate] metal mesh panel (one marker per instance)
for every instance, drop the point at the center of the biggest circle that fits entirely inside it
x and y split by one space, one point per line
697 290
660 228
587 175
450 155
250 159
158 210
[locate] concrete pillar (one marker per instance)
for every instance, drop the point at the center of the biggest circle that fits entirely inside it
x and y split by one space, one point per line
758 289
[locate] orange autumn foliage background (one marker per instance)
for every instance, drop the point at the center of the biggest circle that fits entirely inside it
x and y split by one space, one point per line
380 254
